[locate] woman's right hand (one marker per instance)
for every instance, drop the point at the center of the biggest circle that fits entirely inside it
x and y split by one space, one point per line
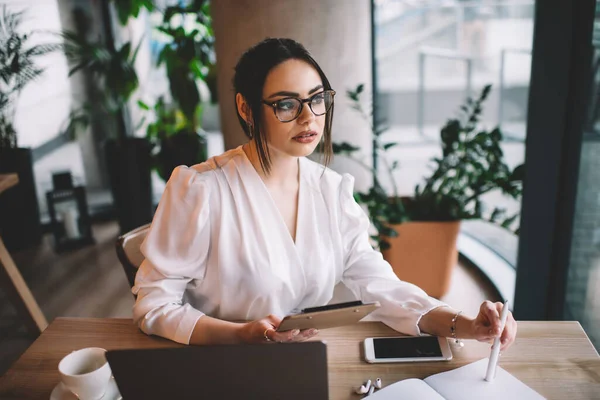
265 330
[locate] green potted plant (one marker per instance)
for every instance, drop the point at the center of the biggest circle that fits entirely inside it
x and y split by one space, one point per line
19 210
172 144
417 234
188 56
113 80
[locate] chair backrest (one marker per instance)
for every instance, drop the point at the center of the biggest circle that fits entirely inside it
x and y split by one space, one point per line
128 251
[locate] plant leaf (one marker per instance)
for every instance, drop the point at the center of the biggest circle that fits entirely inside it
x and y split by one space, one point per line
509 221
143 105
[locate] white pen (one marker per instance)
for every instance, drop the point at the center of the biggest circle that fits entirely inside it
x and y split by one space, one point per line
491 369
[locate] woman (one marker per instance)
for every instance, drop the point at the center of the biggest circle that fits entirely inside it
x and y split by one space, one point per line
260 230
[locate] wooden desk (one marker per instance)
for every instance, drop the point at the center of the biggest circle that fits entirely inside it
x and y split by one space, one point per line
554 358
18 291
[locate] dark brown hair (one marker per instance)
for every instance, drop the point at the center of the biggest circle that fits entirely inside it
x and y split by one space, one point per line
250 75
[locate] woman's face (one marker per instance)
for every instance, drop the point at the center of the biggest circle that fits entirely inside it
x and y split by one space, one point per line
300 137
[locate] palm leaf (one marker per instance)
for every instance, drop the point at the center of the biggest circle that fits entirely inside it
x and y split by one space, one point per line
113 69
43 49
17 56
137 49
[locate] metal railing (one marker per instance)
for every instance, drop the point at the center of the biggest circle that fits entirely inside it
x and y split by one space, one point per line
439 53
458 9
454 55
423 33
501 82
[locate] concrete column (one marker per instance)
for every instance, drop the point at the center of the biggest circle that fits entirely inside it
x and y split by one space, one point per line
338 35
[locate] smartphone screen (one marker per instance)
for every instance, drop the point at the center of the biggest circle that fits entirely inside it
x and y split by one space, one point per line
413 347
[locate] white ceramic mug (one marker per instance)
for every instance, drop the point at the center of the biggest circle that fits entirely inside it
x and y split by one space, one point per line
86 373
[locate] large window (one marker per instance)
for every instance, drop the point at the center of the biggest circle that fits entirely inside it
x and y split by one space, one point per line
583 282
429 56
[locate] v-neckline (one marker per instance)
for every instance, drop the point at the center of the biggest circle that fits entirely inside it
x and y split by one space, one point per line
274 205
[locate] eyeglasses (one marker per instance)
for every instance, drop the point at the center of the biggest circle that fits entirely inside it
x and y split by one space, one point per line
290 108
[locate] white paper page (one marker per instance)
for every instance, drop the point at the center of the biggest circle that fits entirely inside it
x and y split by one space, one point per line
408 389
468 383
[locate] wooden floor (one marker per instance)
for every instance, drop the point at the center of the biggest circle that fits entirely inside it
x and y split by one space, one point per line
90 282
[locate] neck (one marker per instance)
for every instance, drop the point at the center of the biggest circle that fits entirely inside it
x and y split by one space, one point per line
284 168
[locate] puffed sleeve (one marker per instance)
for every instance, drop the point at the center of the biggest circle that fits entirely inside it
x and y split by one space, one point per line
371 278
175 252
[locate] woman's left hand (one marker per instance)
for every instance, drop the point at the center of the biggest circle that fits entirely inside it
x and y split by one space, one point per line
486 326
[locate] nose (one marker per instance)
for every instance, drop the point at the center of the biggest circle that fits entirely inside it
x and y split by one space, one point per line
306 115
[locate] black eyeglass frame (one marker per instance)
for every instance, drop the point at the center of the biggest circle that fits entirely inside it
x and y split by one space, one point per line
302 101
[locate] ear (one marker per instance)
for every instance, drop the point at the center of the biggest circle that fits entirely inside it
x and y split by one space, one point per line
243 108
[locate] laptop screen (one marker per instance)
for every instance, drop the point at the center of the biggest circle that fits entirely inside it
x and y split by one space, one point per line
264 371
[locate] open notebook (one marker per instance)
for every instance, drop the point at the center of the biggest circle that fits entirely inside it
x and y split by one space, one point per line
464 383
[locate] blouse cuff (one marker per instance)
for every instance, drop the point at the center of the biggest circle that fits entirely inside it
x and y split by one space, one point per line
184 331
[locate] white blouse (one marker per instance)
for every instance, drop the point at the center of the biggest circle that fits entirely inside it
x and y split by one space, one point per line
218 246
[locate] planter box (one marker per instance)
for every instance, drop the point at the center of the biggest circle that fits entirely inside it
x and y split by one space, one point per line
424 253
129 166
182 148
20 225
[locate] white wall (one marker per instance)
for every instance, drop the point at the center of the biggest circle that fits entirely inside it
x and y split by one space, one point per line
44 105
151 83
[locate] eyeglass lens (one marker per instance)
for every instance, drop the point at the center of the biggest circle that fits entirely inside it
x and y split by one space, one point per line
289 109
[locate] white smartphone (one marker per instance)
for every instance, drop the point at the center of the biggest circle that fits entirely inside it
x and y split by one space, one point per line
407 349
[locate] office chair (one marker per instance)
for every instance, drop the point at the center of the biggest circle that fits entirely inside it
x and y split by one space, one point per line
128 251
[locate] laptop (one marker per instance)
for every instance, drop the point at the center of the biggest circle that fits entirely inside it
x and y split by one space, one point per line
258 371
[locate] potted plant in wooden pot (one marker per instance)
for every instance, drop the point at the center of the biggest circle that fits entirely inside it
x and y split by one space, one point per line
417 234
19 209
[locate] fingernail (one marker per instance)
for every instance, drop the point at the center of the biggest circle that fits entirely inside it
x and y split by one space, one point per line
314 331
295 332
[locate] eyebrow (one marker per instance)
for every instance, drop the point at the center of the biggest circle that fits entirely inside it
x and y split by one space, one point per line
294 94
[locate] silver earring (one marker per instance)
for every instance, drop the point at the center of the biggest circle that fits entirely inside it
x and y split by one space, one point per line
250 131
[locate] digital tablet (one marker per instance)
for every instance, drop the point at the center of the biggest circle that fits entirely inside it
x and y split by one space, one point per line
329 316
